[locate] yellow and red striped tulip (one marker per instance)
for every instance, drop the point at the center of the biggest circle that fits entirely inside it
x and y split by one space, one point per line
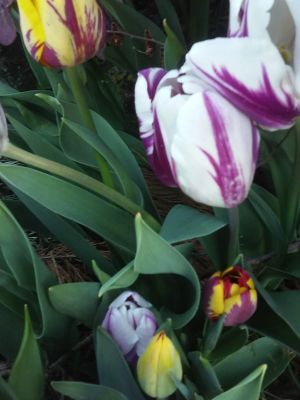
230 292
62 33
156 366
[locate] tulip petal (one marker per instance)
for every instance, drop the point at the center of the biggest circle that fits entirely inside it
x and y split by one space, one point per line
154 139
211 150
119 328
156 365
240 308
145 330
129 295
213 301
265 92
294 7
7 27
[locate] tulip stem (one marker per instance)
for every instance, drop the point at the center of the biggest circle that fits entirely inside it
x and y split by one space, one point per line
234 225
78 91
15 153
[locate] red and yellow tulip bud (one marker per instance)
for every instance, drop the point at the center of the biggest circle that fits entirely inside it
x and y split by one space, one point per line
157 365
62 33
230 292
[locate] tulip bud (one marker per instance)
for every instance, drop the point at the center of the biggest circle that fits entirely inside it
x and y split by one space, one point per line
131 324
230 292
157 365
62 33
3 131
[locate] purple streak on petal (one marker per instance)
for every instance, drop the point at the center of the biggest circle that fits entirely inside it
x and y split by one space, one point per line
243 30
261 105
228 175
240 314
7 28
152 76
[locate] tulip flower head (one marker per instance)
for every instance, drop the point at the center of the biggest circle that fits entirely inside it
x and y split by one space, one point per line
232 293
157 365
3 131
131 324
7 26
257 68
62 33
199 142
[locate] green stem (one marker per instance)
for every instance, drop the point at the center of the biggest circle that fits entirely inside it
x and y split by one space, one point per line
291 213
87 119
233 245
83 180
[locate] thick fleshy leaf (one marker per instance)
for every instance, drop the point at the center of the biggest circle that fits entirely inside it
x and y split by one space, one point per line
86 391
215 162
265 92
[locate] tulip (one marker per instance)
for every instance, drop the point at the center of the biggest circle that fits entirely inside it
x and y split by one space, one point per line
3 131
62 33
232 293
7 26
199 142
257 68
131 324
158 365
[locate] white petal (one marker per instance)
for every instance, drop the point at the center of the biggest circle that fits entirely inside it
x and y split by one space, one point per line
121 331
215 150
251 74
3 130
145 331
294 7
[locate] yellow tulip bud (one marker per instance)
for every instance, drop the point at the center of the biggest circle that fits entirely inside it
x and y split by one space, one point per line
62 33
156 366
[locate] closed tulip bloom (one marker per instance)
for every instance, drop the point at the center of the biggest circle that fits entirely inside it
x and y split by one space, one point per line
3 131
232 293
157 365
257 68
199 142
131 324
62 33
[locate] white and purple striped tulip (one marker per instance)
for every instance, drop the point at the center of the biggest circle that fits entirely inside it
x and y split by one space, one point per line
199 142
3 131
131 324
257 68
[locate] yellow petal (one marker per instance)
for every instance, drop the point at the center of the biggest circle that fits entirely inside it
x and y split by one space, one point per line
216 302
156 365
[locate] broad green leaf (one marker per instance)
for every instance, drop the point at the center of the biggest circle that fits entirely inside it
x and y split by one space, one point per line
174 50
74 203
86 391
76 300
231 341
249 388
185 223
266 322
6 392
27 376
167 11
121 280
154 256
199 20
10 322
113 370
261 351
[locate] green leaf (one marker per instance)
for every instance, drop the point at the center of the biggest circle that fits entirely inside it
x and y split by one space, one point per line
27 377
112 368
168 12
74 203
199 20
249 388
9 344
86 391
261 351
231 341
155 256
174 50
77 300
185 223
6 392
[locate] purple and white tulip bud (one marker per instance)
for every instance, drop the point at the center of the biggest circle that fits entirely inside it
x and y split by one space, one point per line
199 142
3 131
257 68
131 324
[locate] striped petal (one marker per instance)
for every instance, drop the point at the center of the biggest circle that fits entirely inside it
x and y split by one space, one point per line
155 138
214 150
266 92
213 301
62 33
240 308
